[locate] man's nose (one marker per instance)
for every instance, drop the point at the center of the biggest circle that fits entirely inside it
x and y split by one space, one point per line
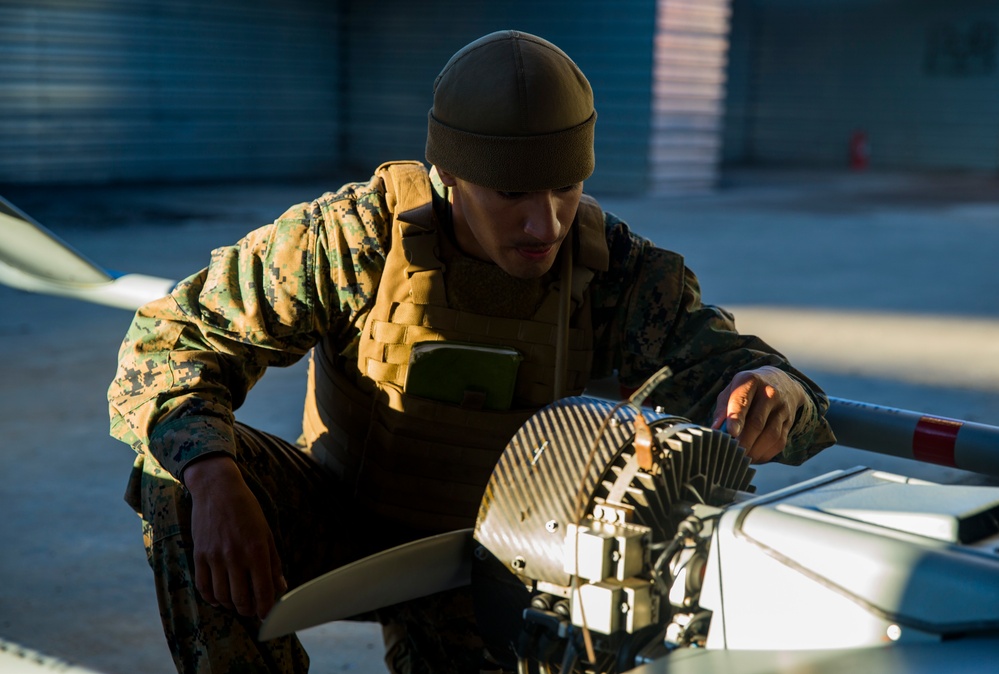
542 217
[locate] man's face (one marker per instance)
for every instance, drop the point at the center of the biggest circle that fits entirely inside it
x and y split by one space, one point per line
521 232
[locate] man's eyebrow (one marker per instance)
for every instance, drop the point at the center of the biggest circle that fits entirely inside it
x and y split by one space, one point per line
564 188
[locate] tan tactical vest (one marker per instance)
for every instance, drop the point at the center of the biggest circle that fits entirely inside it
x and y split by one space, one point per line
414 460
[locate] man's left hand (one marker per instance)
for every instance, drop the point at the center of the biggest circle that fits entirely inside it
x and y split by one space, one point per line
758 408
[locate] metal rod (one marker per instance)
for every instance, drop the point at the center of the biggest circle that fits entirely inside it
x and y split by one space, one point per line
914 435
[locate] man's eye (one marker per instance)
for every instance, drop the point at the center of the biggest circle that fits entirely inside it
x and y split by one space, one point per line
521 195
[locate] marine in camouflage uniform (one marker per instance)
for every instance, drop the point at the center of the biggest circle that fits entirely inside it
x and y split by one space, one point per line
311 280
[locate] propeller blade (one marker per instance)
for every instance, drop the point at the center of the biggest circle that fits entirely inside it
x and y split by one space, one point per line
34 259
409 571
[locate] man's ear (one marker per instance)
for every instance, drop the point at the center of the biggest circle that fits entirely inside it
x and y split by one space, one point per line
447 178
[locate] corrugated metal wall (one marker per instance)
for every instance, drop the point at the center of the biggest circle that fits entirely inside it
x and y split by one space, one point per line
129 90
921 77
688 89
395 57
116 90
125 90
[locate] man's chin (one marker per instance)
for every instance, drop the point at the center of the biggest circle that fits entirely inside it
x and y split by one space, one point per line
525 270
528 263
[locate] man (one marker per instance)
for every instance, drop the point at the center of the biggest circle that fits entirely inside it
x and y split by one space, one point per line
496 246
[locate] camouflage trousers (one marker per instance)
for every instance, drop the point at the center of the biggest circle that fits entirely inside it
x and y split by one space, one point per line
307 512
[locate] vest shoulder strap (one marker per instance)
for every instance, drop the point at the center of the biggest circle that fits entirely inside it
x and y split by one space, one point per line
408 194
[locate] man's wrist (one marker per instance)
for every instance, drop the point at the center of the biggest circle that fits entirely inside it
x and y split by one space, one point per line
208 470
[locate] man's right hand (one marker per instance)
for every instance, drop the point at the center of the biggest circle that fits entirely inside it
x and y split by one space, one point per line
236 563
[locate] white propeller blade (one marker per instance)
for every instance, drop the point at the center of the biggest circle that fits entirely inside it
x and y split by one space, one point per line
34 259
402 573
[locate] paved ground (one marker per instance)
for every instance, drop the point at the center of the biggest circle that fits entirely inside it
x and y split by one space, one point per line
882 286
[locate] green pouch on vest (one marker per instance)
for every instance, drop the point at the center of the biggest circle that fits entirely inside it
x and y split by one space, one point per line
475 376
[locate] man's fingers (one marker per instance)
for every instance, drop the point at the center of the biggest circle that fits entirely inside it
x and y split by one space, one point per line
203 581
767 426
242 588
268 581
737 407
220 586
751 431
278 584
247 591
758 414
263 592
721 407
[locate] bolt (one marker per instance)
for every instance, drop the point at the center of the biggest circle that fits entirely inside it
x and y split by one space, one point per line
551 526
542 601
625 607
519 563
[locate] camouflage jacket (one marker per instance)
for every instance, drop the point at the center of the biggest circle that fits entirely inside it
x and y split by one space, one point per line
189 359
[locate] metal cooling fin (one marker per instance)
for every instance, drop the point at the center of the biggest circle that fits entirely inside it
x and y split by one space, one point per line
570 522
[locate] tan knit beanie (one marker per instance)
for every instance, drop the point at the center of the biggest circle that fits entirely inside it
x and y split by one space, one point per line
513 113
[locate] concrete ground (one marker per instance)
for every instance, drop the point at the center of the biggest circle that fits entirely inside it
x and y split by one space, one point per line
883 287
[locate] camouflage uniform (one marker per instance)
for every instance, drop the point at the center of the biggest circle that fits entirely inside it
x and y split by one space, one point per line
189 360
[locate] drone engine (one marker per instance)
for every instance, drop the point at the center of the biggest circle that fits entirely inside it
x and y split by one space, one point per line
592 535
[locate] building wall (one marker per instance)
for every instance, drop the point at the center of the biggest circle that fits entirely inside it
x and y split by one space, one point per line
919 77
132 90
127 90
395 57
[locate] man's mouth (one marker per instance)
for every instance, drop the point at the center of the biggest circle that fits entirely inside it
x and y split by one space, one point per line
536 252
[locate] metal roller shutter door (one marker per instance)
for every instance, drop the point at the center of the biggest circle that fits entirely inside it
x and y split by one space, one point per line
125 90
